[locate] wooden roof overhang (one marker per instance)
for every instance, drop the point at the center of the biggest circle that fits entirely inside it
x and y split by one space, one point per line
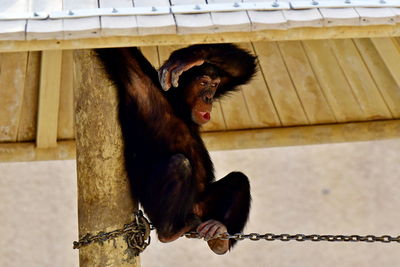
327 73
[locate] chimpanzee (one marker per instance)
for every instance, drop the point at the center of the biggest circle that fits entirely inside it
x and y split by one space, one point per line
169 167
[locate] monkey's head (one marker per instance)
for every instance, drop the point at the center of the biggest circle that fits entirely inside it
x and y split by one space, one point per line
199 86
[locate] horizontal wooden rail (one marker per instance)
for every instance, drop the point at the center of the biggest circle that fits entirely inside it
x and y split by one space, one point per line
29 152
176 39
303 135
230 140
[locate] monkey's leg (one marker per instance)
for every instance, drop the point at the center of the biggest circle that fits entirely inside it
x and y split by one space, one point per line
226 201
170 198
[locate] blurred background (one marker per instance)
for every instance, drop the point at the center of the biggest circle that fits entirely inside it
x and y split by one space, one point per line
346 188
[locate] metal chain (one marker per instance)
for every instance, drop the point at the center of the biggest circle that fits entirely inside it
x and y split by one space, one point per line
136 234
302 237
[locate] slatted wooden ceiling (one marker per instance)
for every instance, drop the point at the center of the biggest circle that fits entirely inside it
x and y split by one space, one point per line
300 83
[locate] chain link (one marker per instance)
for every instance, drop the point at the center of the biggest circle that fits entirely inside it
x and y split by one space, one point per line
136 234
302 237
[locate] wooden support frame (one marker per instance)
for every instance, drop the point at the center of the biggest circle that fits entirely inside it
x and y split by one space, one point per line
104 199
303 135
304 33
27 151
229 140
49 99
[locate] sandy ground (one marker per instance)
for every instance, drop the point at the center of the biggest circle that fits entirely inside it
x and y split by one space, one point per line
324 189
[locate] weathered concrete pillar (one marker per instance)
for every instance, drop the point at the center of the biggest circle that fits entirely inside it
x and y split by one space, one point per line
104 200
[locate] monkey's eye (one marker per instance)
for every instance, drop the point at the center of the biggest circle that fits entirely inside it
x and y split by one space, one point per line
214 85
203 83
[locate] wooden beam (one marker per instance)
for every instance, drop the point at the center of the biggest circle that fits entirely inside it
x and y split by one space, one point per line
303 135
49 99
27 151
12 80
259 138
172 39
104 199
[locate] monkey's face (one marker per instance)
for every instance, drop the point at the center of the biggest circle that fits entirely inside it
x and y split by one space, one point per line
201 97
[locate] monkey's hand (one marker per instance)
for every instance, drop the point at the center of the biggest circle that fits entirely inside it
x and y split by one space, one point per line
169 73
210 230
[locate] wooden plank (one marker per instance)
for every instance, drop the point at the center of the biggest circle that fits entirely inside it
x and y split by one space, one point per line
81 27
223 20
311 96
66 123
362 84
340 17
12 81
303 18
193 23
261 20
45 29
27 122
271 20
273 137
10 152
174 39
157 24
236 113
120 25
49 98
15 29
278 80
258 99
396 11
390 53
151 53
375 16
332 81
381 73
303 135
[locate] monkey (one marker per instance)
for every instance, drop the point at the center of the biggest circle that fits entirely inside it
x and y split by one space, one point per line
161 114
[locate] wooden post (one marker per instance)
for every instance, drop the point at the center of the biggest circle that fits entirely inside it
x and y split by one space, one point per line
104 199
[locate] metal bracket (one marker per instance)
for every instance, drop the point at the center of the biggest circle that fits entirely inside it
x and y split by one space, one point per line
229 7
23 15
200 8
95 12
344 3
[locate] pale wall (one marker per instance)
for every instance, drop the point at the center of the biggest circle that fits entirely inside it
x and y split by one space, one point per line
325 189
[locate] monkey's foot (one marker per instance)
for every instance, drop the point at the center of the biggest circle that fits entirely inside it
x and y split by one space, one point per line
210 230
173 237
219 246
191 224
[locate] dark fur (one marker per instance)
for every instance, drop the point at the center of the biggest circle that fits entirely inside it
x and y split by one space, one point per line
166 160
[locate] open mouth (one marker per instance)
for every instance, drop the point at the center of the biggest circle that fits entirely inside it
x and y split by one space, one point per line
205 115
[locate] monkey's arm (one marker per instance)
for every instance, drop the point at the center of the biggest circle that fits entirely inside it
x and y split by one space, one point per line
141 99
237 65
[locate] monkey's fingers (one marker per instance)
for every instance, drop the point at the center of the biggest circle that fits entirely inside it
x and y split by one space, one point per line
213 232
211 229
179 69
164 75
203 228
